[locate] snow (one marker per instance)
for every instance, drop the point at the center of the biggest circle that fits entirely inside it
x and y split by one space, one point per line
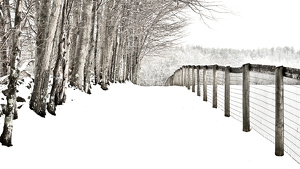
136 127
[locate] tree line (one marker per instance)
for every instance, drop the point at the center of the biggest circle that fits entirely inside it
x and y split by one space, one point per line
76 42
156 69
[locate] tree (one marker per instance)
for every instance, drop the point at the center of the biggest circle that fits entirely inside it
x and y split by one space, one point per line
55 96
83 45
5 23
89 60
46 31
10 110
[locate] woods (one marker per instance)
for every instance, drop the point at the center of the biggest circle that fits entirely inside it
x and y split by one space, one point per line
76 43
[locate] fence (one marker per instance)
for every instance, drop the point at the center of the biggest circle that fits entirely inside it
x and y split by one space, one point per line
263 97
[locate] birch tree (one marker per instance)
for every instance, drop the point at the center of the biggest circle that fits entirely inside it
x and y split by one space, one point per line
5 24
6 136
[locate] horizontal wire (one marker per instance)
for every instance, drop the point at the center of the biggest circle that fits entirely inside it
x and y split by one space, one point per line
252 86
236 116
290 133
285 90
286 104
259 125
263 108
286 111
236 93
262 95
260 78
273 124
234 101
235 89
295 86
261 130
265 86
263 101
290 147
297 146
236 107
291 99
292 121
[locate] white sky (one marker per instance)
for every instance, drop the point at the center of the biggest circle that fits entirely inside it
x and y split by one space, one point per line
258 24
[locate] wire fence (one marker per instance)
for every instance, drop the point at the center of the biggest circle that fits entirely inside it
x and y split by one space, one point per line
264 98
262 101
236 97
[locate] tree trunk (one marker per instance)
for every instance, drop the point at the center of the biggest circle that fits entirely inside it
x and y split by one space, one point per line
97 53
5 24
57 72
46 33
75 34
113 9
119 57
88 64
114 58
6 135
82 52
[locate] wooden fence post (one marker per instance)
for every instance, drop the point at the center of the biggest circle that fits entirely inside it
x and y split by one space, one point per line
215 87
193 78
246 95
227 92
204 84
279 112
198 81
188 78
181 80
185 76
176 78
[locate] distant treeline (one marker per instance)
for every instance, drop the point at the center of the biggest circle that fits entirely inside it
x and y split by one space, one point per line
156 69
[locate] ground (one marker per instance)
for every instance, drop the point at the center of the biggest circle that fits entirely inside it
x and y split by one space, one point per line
136 127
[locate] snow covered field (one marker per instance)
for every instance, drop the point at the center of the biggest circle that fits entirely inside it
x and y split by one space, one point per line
136 127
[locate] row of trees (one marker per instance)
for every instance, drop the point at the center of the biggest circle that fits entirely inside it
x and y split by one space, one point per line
76 40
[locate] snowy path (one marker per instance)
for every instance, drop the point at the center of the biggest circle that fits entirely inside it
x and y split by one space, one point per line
137 128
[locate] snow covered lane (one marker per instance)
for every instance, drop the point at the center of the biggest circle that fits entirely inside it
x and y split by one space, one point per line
137 127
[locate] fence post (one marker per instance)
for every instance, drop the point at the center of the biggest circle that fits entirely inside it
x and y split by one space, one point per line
176 78
246 95
188 78
215 87
171 80
184 76
198 81
193 79
279 112
227 92
181 78
204 84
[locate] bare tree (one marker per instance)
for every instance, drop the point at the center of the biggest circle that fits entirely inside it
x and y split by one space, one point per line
10 110
89 60
5 24
83 45
57 72
46 32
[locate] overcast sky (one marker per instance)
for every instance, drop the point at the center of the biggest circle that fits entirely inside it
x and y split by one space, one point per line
258 24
